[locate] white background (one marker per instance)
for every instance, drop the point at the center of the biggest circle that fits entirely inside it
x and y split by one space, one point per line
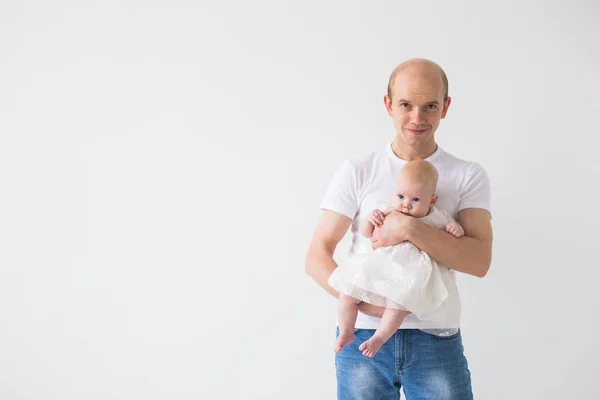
162 163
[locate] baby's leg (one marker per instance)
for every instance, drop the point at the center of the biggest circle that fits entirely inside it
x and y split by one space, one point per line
347 313
390 323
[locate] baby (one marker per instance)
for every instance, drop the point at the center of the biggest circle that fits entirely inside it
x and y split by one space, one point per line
401 277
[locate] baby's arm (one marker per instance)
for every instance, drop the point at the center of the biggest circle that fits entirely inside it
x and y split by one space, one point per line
371 221
455 229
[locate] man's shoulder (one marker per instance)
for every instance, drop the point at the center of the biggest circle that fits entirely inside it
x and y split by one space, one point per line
367 160
449 163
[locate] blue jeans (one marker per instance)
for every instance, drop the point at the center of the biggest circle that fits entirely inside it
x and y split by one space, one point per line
429 367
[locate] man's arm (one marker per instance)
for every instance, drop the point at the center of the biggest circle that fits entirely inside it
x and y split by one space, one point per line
330 230
319 264
471 254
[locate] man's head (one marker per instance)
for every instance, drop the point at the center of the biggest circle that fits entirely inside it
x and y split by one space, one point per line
415 190
417 100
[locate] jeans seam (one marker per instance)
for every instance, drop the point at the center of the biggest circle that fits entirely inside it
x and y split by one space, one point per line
407 341
397 348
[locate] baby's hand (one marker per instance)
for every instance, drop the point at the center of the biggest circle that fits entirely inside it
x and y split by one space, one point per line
376 218
455 229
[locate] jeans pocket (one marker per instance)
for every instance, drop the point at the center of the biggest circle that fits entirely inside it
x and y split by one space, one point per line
449 337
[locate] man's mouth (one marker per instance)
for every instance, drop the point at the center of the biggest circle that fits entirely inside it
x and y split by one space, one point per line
417 131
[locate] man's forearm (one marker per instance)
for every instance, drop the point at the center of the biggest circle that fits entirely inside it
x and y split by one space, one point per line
319 266
465 254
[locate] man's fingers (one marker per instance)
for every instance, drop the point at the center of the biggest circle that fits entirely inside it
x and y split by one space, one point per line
377 243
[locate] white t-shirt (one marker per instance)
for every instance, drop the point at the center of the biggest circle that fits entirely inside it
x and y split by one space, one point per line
363 183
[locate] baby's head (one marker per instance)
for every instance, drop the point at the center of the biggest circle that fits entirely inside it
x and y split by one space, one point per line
415 191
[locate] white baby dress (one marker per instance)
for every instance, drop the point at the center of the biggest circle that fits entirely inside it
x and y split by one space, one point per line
402 277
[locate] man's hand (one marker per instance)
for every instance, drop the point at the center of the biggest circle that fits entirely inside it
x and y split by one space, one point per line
371 310
396 229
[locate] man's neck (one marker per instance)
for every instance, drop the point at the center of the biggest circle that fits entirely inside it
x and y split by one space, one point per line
410 153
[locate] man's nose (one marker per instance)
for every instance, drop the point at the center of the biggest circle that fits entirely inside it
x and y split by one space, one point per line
416 116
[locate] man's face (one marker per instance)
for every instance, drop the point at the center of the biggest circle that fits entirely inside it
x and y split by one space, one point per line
417 105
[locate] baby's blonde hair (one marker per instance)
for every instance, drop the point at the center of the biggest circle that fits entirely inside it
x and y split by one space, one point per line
422 171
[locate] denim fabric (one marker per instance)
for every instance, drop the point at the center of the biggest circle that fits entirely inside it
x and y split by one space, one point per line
428 367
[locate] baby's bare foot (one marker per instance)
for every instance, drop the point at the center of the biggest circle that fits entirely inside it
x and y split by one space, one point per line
371 346
343 339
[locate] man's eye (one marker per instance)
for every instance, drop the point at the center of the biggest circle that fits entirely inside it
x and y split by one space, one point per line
416 199
405 105
431 106
401 197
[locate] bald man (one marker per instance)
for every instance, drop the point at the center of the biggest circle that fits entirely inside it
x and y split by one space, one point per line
425 359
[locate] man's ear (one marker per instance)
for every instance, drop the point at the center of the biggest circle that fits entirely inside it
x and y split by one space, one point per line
388 105
446 107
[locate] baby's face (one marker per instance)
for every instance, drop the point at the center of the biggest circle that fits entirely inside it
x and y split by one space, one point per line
413 198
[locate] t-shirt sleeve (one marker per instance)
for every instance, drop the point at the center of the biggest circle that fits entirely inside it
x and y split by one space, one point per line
342 193
476 189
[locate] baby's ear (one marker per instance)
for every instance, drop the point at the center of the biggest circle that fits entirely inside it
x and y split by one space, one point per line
434 200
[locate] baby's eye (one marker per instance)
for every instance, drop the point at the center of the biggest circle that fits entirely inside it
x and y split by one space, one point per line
401 197
416 199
